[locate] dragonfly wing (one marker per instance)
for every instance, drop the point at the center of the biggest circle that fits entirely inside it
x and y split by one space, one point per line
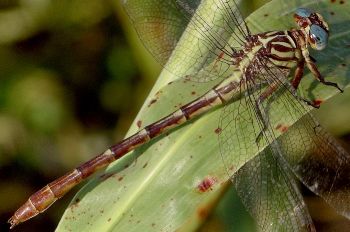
319 162
314 155
264 182
193 33
238 130
243 121
269 192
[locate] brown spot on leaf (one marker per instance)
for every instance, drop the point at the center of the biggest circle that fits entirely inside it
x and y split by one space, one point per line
109 219
120 178
193 92
218 130
152 102
341 2
332 13
170 82
158 93
177 106
139 123
105 176
145 165
186 79
333 1
231 168
265 15
221 55
206 184
74 205
282 128
318 102
202 212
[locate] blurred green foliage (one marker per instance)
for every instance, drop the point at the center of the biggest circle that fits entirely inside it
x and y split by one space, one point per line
69 86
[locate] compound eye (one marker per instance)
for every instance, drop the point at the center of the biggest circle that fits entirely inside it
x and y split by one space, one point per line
318 37
301 17
303 12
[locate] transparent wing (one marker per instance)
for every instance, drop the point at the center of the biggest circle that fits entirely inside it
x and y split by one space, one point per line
269 192
313 154
319 162
239 129
267 187
248 127
323 171
206 25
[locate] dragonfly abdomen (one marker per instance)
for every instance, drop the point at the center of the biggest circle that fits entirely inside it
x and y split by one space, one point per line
45 197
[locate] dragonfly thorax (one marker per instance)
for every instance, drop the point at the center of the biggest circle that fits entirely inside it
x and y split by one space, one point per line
274 48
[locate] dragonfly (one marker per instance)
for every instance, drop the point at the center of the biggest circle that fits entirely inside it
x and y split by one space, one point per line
254 68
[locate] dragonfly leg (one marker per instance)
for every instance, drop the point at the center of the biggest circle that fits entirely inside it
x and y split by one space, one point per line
298 74
261 112
313 68
308 102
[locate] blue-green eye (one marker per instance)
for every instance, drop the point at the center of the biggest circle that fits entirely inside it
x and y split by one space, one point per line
318 37
303 12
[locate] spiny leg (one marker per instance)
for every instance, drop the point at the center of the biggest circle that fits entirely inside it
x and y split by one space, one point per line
298 75
292 87
313 68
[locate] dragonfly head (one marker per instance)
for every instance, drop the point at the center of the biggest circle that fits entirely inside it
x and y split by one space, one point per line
314 27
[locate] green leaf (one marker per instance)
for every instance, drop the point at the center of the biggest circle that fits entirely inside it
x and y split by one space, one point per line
161 190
